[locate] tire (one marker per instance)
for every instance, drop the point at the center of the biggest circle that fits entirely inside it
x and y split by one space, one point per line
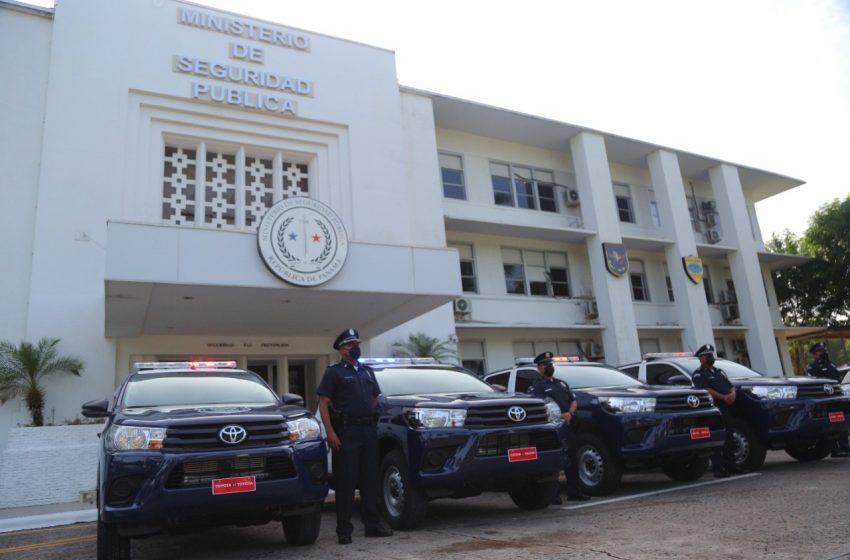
534 495
749 451
402 503
111 545
599 474
686 470
810 451
303 529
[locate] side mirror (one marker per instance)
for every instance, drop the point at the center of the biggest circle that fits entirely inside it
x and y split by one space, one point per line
500 388
679 379
96 409
292 398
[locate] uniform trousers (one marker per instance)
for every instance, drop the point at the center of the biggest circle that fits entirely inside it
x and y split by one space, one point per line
570 445
355 465
723 458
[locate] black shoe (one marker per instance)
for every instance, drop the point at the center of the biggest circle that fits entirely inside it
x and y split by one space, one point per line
557 501
344 539
578 497
837 454
379 531
721 474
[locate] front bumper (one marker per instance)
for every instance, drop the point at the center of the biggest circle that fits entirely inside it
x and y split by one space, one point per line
789 421
165 500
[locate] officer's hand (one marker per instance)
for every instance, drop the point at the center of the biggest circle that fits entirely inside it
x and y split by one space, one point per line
333 441
730 398
567 416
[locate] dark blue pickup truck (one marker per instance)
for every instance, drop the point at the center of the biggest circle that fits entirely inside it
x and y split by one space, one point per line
801 415
444 433
622 424
189 445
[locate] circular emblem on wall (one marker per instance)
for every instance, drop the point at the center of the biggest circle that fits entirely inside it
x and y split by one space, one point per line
302 241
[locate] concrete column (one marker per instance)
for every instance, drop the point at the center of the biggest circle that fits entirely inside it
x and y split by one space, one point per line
282 375
746 270
599 211
691 305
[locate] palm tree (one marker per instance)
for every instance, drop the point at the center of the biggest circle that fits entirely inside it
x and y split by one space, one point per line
23 368
420 345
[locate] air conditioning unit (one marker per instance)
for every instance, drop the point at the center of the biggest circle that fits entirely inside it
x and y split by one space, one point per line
711 218
709 207
462 305
571 199
593 349
713 235
728 296
729 312
739 345
591 310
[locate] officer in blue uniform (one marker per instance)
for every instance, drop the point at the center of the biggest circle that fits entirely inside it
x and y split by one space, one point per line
548 387
823 367
715 381
348 405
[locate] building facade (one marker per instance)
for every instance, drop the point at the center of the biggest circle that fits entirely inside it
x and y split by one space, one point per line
143 144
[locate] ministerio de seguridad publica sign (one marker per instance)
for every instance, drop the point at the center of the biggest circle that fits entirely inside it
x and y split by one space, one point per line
302 241
277 87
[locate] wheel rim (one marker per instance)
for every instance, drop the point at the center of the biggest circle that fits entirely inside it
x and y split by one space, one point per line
393 491
742 447
591 466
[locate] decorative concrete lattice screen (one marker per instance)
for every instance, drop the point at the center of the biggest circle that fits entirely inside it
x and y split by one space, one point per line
236 188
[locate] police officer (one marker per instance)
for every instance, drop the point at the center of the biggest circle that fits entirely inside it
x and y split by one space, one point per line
715 381
547 387
823 367
348 404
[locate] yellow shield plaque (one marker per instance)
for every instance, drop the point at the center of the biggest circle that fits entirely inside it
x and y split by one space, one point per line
693 268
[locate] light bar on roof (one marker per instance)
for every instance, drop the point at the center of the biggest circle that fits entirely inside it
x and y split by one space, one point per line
667 355
377 361
211 364
555 359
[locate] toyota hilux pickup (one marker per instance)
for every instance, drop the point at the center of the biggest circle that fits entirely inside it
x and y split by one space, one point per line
624 425
801 415
189 445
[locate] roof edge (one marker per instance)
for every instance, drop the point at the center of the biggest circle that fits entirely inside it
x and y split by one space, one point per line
27 8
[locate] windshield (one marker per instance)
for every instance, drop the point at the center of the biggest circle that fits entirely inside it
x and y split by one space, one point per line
191 388
422 381
584 376
733 370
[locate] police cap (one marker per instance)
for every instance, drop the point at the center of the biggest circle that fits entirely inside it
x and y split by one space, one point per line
704 349
544 358
817 347
346 336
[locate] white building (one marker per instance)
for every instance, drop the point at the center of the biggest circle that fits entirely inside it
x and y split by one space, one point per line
142 142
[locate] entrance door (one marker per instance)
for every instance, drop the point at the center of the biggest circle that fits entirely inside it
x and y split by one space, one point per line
297 380
265 369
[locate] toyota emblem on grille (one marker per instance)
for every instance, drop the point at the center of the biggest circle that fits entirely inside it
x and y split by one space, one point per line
232 434
828 389
693 401
516 413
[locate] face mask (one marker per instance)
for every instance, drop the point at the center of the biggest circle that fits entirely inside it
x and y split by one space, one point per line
709 360
354 352
548 371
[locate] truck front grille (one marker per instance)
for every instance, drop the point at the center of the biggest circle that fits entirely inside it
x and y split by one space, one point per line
205 436
683 425
497 445
497 415
674 403
202 473
817 390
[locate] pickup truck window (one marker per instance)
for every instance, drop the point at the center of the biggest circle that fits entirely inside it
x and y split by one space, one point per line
421 381
196 388
581 376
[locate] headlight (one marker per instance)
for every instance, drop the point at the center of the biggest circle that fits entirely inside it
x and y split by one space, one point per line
627 404
128 438
771 392
846 389
303 428
436 417
553 412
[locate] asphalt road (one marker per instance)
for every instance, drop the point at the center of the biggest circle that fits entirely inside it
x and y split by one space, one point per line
788 510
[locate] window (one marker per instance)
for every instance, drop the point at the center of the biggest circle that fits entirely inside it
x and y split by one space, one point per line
525 378
467 267
653 212
536 273
529 349
660 374
523 187
624 203
670 297
640 289
499 379
451 169
631 371
706 282
472 356
692 210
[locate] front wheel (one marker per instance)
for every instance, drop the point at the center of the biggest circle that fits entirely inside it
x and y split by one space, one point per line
686 470
599 474
532 494
111 545
810 451
403 504
749 452
303 529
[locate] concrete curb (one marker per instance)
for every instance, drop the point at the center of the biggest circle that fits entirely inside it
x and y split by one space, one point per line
47 520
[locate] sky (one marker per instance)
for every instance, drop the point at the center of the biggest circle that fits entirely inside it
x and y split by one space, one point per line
761 83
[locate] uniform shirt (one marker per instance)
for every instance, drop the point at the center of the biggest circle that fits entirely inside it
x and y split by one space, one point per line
556 389
352 390
708 377
824 368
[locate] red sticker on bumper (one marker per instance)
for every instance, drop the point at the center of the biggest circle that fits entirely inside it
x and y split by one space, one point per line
522 454
700 433
836 417
234 485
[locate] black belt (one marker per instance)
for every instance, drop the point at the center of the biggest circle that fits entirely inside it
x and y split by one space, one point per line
348 420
